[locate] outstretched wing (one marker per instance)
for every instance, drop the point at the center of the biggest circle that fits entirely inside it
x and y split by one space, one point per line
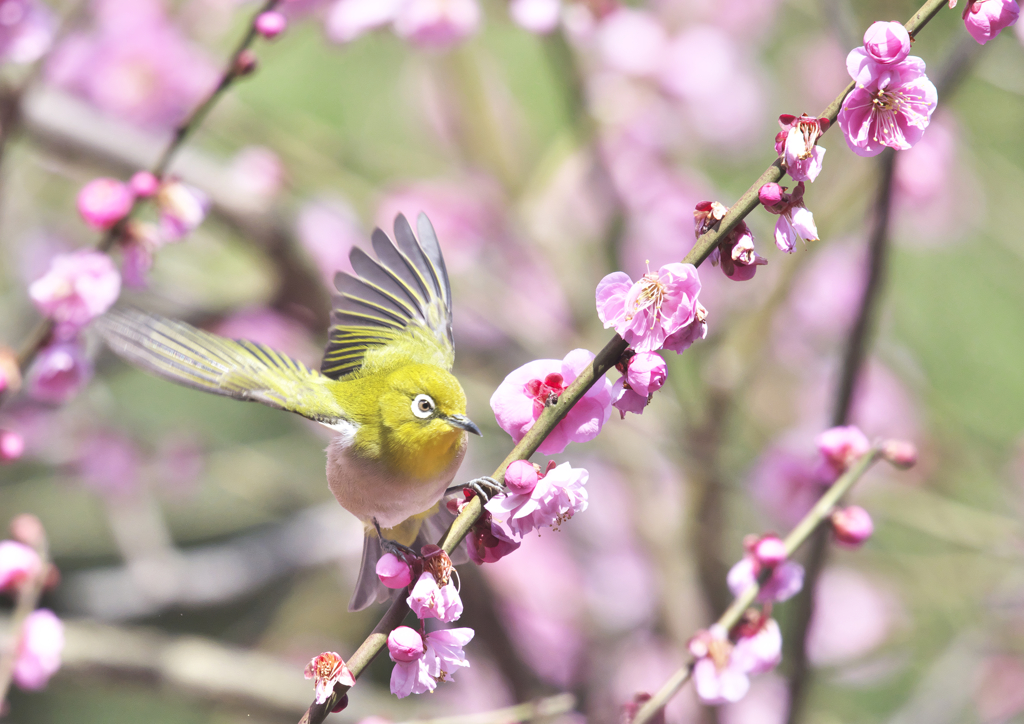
234 368
396 308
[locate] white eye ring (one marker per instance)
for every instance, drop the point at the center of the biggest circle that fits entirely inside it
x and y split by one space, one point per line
422 406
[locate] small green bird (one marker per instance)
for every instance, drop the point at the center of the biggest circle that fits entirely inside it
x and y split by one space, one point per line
385 385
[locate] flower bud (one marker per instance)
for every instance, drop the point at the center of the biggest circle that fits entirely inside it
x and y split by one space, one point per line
887 42
842 446
521 477
852 526
18 563
393 572
770 194
405 644
104 201
144 184
646 373
58 373
245 63
900 453
28 529
12 445
270 24
769 550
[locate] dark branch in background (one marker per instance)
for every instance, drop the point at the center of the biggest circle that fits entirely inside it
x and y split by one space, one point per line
856 349
39 336
553 414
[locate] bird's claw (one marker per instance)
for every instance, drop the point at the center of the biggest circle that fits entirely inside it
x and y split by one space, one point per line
485 488
392 546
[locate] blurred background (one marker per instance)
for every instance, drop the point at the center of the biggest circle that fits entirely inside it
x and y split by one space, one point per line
204 561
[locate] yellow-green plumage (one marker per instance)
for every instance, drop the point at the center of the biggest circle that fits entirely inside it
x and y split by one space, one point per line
385 385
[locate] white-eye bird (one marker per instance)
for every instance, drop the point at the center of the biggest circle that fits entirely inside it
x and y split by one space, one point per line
385 385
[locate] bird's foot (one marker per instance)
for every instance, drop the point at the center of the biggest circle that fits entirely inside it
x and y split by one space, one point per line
485 488
392 546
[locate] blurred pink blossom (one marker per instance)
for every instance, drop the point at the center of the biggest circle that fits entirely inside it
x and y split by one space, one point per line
27 28
984 19
12 445
270 24
554 499
104 201
852 616
841 447
632 41
523 394
393 572
39 650
649 311
767 702
270 327
327 230
133 64
18 563
437 23
717 677
328 669
537 16
999 688
59 372
349 19
428 600
785 483
182 209
257 170
77 288
144 184
109 463
785 581
891 105
887 42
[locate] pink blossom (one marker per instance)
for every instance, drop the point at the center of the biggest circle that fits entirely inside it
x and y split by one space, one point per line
272 328
840 447
796 143
717 677
38 655
852 616
524 393
887 42
768 550
736 255
77 288
328 669
537 16
795 220
393 572
349 19
18 563
27 28
421 664
12 445
489 540
521 477
761 650
632 41
646 372
786 484
437 23
785 581
900 453
557 496
182 209
270 24
428 600
104 201
985 18
257 171
59 372
134 64
327 231
650 310
627 400
851 526
891 105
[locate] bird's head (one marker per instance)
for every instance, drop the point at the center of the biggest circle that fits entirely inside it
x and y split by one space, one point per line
423 407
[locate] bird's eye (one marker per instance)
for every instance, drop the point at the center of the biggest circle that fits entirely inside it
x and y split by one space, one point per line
422 406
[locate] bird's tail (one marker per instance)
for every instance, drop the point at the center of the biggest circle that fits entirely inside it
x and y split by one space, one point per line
415 533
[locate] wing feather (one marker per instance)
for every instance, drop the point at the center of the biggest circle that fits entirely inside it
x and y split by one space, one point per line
204 361
397 307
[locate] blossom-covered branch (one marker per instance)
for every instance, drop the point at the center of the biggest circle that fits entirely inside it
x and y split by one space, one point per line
241 62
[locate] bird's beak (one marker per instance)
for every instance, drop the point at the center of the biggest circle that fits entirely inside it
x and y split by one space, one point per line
463 422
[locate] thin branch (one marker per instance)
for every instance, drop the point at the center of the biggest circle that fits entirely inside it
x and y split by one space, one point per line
39 336
803 530
554 413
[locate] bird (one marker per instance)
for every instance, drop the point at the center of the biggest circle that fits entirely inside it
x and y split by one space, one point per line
385 386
